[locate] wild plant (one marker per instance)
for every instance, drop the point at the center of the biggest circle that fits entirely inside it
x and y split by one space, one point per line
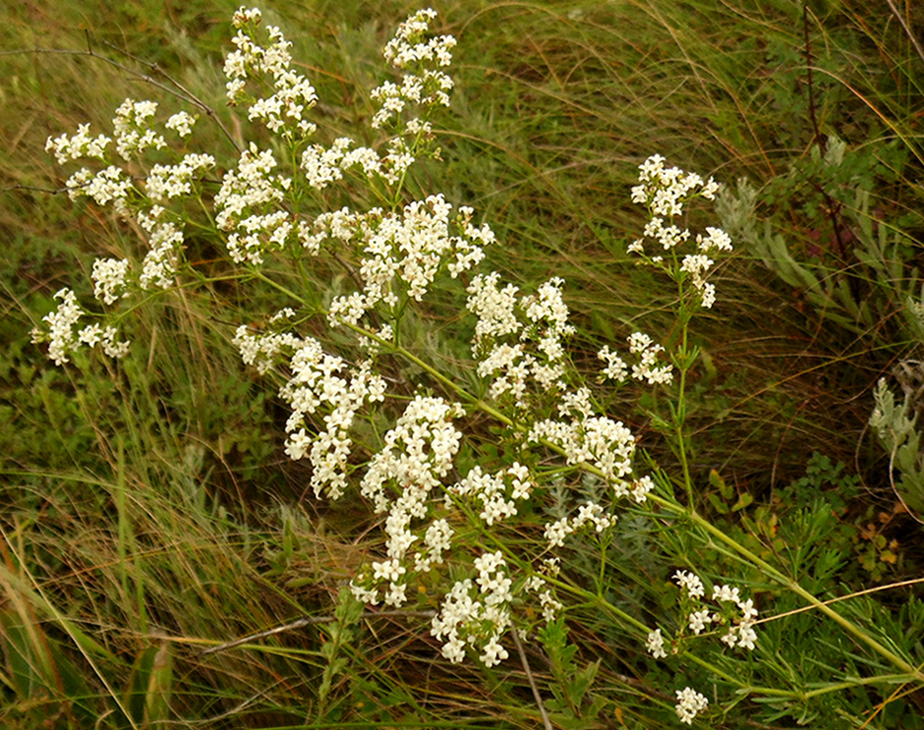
488 477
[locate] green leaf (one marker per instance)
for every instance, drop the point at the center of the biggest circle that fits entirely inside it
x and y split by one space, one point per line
717 504
744 500
147 697
582 682
716 480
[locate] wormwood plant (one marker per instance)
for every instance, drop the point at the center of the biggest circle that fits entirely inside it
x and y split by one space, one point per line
490 476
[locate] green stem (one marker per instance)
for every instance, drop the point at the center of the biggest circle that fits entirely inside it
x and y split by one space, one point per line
680 413
858 681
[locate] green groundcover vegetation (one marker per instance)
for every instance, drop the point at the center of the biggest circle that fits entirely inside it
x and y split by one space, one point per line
558 366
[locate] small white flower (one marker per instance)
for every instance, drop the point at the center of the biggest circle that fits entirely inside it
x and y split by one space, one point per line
91 335
181 123
493 653
641 488
242 16
421 61
716 238
109 279
748 612
362 594
707 294
648 352
616 368
112 348
691 583
61 324
396 595
80 145
698 620
747 637
726 594
689 704
132 128
388 570
655 644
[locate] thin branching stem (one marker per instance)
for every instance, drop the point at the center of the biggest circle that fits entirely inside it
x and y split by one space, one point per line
309 621
173 87
546 722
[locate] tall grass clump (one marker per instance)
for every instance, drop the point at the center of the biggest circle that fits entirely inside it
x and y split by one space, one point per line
340 453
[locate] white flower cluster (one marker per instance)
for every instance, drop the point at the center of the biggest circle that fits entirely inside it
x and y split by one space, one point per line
742 632
396 255
378 339
79 145
325 165
242 16
159 267
507 326
109 279
590 513
132 126
741 626
105 336
424 83
406 480
668 237
425 86
418 454
689 704
496 493
181 123
539 323
134 134
665 191
293 94
401 251
597 440
286 313
263 351
316 383
691 583
615 367
63 338
655 644
61 324
476 613
109 185
248 206
646 368
495 308
112 185
174 181
551 607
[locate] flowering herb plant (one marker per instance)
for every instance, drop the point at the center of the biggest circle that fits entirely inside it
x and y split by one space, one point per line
451 517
